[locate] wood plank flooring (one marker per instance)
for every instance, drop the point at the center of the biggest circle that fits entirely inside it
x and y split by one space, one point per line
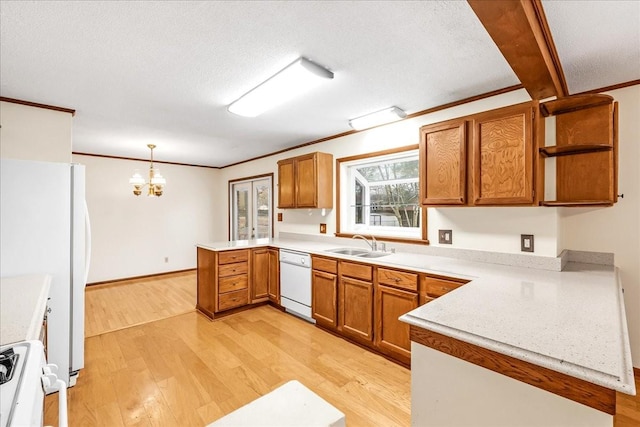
118 305
185 370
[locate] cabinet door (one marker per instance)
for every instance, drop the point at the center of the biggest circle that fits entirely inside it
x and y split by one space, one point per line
306 185
356 309
392 335
259 275
286 184
324 298
443 163
503 156
206 293
274 277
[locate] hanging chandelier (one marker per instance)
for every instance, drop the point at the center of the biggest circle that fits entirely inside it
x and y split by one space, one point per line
156 181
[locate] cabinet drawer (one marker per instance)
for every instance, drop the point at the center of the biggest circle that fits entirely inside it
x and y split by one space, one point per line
324 264
438 287
233 269
398 279
233 283
227 257
232 299
359 271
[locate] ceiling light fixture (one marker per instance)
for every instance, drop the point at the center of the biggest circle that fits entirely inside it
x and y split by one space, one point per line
297 78
156 181
382 117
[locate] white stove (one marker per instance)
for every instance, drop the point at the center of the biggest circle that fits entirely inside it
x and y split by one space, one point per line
24 379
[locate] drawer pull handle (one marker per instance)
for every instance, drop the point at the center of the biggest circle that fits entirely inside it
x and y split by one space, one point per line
446 289
397 279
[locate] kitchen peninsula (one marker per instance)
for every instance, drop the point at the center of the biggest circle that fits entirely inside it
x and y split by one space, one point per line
567 324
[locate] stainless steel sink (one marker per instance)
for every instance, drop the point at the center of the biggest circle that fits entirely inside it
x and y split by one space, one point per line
348 251
360 253
373 255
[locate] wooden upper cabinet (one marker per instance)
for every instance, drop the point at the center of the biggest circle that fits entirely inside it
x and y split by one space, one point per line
286 184
482 159
586 150
503 158
306 181
443 163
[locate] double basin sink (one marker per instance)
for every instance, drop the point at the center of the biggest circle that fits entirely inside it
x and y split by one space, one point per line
360 253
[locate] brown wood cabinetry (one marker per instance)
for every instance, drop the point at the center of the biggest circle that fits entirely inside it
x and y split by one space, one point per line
443 154
356 309
503 156
392 335
236 278
586 150
273 287
306 181
324 291
434 287
260 275
483 159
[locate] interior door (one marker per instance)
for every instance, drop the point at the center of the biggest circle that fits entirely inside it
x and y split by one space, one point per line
251 207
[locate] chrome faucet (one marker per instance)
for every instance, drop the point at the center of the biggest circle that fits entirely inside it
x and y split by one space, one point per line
373 244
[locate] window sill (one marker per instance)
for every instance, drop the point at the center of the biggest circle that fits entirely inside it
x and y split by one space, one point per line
413 241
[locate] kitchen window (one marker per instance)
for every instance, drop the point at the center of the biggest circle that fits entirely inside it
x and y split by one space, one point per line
379 194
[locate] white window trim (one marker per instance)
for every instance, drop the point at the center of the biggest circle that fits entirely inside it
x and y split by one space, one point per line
348 174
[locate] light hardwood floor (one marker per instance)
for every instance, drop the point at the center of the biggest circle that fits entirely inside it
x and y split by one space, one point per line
122 304
185 370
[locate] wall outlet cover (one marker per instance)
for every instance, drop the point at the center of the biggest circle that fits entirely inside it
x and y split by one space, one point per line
445 237
279 216
323 228
526 242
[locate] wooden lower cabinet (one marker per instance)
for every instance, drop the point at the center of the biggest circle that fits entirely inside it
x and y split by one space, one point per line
324 298
260 275
356 309
236 278
392 335
273 287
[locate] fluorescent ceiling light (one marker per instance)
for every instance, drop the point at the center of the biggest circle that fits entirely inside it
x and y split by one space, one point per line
297 78
388 115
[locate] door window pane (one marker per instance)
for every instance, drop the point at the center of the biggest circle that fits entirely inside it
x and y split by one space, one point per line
251 205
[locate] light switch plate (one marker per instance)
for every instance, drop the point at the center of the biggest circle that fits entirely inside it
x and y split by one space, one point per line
445 237
526 242
323 228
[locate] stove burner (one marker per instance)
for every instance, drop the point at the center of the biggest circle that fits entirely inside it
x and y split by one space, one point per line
8 361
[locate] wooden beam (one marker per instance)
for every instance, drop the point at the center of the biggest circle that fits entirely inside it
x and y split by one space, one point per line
519 29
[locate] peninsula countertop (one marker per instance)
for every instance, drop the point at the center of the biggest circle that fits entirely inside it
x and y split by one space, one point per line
22 307
571 321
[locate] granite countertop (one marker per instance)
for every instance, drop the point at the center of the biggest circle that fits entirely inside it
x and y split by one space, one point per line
22 307
571 321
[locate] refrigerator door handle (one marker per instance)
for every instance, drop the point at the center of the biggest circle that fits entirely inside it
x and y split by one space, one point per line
87 247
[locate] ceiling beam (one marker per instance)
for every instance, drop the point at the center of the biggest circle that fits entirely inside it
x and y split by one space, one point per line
519 28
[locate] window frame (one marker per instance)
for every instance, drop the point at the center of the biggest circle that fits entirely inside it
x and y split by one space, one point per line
342 211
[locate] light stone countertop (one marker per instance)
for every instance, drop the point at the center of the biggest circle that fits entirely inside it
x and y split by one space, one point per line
571 321
23 301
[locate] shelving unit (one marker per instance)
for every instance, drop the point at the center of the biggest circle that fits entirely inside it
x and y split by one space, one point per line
586 150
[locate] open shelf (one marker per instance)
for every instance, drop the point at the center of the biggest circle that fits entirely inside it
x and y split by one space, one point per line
573 103
584 203
567 150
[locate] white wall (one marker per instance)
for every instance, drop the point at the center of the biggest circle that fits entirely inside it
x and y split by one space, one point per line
132 235
33 133
617 229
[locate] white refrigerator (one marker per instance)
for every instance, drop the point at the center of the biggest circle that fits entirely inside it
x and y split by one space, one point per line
44 228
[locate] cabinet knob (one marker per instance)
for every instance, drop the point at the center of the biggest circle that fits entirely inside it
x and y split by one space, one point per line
397 279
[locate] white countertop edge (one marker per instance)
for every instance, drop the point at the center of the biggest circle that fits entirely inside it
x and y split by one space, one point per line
33 333
627 361
627 386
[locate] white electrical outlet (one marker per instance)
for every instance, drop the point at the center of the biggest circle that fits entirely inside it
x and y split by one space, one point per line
526 242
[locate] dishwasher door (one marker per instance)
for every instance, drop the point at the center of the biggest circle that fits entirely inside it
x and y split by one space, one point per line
295 283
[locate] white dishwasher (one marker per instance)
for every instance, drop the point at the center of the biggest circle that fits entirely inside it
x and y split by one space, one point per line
295 283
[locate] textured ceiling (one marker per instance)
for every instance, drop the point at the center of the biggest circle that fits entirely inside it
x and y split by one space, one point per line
164 72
